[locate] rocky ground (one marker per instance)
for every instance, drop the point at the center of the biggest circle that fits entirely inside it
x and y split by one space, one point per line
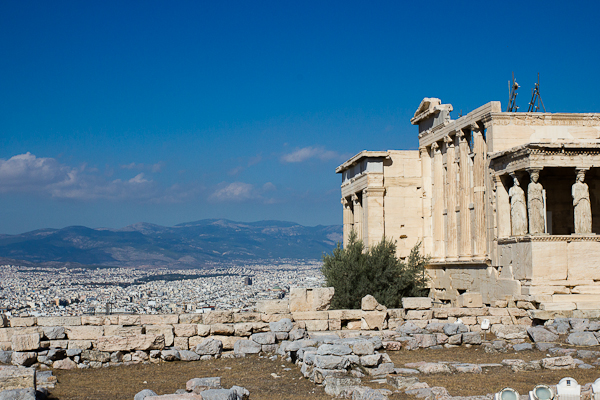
269 379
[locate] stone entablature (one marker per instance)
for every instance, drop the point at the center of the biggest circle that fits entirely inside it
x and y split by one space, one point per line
485 178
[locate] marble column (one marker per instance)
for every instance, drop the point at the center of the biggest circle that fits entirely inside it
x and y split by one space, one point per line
358 215
426 195
465 251
438 203
451 184
348 219
479 169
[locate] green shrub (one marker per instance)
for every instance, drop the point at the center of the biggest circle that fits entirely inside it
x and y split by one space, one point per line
354 273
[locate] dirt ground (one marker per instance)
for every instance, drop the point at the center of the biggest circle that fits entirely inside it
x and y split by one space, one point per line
254 373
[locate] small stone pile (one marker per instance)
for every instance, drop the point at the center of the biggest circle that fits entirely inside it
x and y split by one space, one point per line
199 389
21 383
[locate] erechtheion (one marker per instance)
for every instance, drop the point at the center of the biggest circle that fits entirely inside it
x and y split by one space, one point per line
506 204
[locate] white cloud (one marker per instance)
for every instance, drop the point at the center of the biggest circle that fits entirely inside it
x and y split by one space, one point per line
306 153
157 167
26 173
241 192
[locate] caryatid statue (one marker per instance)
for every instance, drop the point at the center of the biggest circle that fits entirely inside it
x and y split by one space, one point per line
518 209
535 204
581 204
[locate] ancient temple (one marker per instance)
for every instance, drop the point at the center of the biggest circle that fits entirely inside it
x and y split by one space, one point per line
506 204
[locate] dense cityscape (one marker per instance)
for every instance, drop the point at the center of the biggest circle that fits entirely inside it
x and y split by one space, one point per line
39 291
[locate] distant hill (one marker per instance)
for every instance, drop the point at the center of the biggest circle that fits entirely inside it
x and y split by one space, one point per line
188 245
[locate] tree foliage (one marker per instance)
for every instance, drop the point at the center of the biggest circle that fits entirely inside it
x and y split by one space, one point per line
354 273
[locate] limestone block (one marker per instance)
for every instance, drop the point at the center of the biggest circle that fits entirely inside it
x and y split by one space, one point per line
84 332
470 300
416 303
165 330
59 344
218 317
310 315
120 330
129 343
222 329
310 299
58 321
16 378
353 325
368 303
372 320
500 303
185 330
580 260
203 330
243 329
129 320
548 260
5 346
159 319
494 320
268 318
317 325
53 332
586 289
557 306
181 342
346 314
419 314
273 306
246 317
193 341
79 344
195 318
6 334
24 358
395 313
22 321
95 320
509 332
469 320
25 342
335 325
588 305
498 312
228 341
517 312
260 327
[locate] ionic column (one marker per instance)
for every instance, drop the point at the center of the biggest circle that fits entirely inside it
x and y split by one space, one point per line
438 202
480 150
358 216
451 182
464 197
348 219
373 199
427 193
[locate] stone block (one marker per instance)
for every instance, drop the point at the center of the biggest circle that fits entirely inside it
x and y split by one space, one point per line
501 312
317 325
96 320
247 317
218 317
6 334
373 320
396 313
260 326
53 332
16 377
243 329
129 343
5 346
310 299
419 314
159 319
84 332
345 314
222 329
509 332
165 330
335 325
24 358
59 344
181 342
469 320
310 315
79 344
273 306
567 306
25 342
120 330
185 330
203 330
470 300
416 303
268 318
22 321
353 325
129 320
193 318
58 321
228 341
368 303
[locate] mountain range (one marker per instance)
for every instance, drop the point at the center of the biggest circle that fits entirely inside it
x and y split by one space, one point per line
189 245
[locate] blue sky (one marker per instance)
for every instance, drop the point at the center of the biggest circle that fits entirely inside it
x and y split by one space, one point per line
113 113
